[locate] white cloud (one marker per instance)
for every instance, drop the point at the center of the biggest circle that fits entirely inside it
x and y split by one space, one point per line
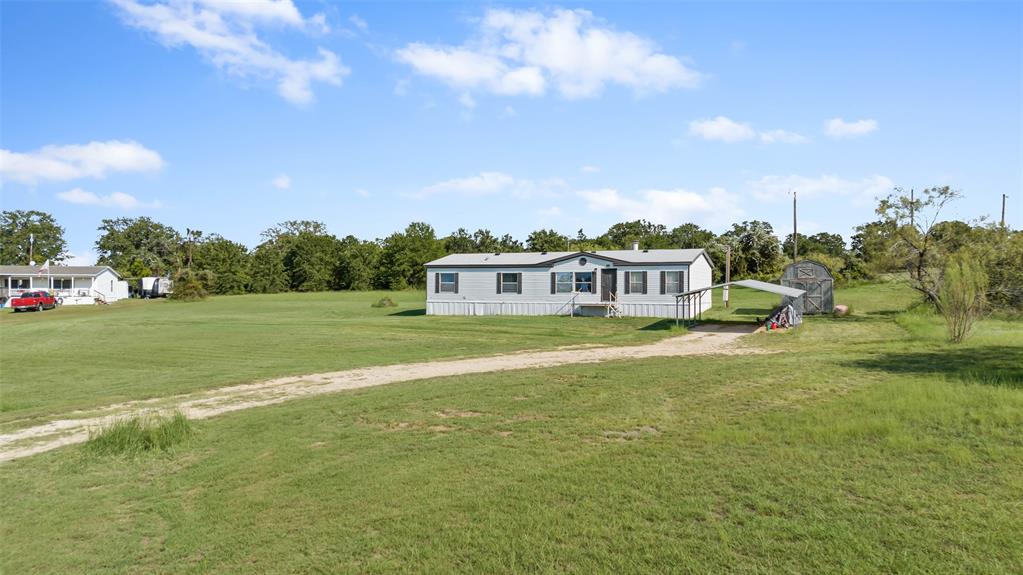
773 188
590 169
223 32
281 182
92 160
493 184
839 128
358 22
551 212
722 129
782 137
467 100
362 193
114 200
526 51
716 207
508 112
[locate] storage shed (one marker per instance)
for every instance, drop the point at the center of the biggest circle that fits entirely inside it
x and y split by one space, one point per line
816 280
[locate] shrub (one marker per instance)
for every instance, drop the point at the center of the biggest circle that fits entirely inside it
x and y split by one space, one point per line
140 434
384 302
188 286
961 294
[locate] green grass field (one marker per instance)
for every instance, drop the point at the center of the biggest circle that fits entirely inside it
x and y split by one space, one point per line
866 444
86 357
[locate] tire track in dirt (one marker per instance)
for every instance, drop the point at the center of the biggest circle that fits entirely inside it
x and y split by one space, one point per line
702 340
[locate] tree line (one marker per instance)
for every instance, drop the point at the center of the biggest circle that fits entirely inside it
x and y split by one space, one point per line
909 236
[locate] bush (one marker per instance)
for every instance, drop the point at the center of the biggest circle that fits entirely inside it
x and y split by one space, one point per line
961 294
188 286
140 434
384 302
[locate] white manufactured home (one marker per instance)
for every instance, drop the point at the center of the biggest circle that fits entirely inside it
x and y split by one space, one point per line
638 283
72 284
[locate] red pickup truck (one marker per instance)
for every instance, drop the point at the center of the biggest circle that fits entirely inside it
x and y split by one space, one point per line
37 300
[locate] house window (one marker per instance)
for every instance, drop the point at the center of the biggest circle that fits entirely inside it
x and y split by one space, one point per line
564 282
20 283
672 282
584 282
61 283
509 283
448 282
635 282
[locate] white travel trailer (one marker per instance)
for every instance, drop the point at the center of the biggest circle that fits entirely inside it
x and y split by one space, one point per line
640 283
150 287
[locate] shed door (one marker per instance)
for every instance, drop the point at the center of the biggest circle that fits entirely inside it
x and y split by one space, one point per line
608 283
814 297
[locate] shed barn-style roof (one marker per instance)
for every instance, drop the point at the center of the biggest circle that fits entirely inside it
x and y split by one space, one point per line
55 270
543 259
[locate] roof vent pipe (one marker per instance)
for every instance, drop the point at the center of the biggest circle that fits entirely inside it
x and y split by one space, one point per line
635 245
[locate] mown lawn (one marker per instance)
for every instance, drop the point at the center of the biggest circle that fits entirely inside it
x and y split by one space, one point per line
82 357
865 445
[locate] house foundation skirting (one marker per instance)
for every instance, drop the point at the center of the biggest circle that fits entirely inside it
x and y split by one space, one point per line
481 308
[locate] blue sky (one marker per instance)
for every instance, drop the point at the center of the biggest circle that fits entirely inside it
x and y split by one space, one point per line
231 116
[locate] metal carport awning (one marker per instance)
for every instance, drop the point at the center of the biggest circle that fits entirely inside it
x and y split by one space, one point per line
697 295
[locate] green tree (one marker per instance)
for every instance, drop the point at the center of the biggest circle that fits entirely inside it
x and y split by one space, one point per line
873 248
460 242
227 264
691 236
404 255
267 271
357 267
508 244
820 243
921 244
546 241
311 260
649 235
124 241
16 229
756 252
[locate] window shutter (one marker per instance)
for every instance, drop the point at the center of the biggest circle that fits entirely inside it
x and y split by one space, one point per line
456 283
498 282
596 274
664 288
628 283
644 283
554 283
518 282
436 282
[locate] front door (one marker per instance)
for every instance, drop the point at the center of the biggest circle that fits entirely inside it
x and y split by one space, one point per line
608 283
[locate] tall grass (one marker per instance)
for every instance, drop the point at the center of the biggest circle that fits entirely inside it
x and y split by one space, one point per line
140 434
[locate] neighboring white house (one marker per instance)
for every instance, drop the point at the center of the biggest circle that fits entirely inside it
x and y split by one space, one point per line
640 283
73 284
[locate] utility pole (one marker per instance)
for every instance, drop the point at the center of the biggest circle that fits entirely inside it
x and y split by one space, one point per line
1003 210
795 235
728 270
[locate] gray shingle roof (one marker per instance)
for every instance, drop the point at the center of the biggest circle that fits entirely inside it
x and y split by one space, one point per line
520 259
55 270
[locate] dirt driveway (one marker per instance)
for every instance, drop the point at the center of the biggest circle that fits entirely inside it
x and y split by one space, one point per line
702 340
